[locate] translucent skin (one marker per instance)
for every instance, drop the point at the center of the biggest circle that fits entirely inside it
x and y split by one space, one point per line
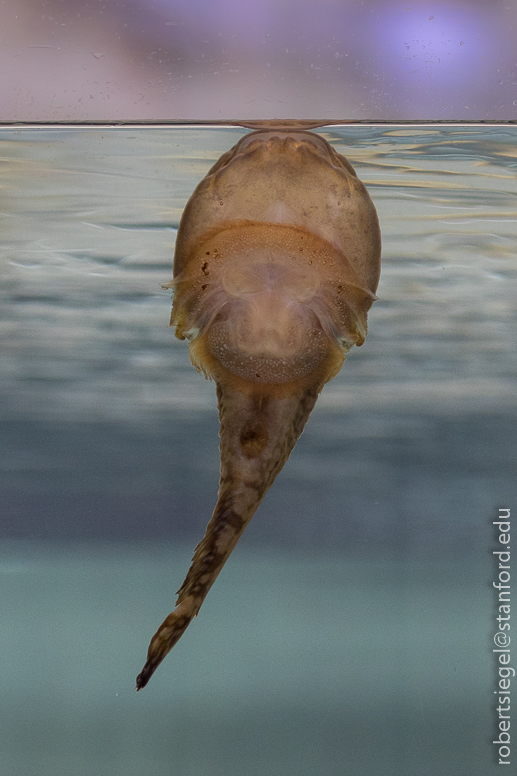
277 262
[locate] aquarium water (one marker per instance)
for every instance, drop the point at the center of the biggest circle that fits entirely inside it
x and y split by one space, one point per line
350 632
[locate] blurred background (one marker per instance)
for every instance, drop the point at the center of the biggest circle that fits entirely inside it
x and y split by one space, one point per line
230 59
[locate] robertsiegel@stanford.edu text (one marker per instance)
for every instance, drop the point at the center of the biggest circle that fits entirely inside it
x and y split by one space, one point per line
502 637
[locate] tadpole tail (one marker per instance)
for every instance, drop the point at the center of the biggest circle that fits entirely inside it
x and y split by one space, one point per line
258 433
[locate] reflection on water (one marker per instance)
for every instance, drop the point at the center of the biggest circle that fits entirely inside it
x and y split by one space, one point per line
350 631
88 225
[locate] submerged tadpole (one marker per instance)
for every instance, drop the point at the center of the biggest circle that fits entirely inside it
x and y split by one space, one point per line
276 265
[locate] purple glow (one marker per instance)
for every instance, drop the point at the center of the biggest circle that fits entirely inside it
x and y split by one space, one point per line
445 45
411 59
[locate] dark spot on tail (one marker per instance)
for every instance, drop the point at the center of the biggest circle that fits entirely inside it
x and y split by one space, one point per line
253 439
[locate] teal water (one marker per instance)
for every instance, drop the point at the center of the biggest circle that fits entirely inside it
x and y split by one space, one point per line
298 664
350 632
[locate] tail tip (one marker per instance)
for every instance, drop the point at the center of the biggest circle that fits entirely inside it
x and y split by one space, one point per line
143 677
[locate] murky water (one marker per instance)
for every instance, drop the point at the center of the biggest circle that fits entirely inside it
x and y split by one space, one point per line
351 629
